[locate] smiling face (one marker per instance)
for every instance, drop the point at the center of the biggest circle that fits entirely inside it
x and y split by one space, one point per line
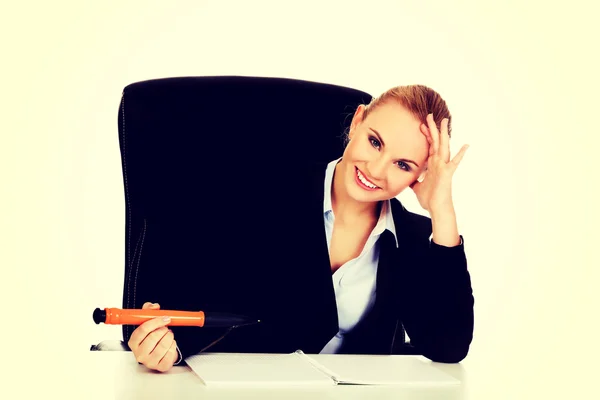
386 153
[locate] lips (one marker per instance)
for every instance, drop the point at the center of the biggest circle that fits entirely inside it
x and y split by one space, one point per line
363 182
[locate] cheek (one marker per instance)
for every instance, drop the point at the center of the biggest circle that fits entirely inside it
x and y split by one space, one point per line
357 149
400 181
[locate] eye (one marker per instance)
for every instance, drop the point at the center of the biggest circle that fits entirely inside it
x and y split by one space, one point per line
404 166
374 142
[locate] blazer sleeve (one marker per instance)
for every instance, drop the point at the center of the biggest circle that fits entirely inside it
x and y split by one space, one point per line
191 340
437 302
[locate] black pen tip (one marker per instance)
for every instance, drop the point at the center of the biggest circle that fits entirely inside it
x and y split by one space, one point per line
215 320
99 316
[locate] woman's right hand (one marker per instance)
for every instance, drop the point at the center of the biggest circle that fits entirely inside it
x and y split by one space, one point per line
153 344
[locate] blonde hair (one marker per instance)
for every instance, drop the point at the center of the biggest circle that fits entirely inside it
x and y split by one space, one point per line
420 100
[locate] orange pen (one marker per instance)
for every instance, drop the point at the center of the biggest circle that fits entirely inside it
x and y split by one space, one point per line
120 316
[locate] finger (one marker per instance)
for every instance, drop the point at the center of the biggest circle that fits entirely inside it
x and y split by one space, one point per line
140 333
425 132
169 359
435 134
160 350
444 141
144 353
148 305
459 156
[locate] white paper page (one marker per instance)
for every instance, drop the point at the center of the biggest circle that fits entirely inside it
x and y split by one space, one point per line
259 370
383 370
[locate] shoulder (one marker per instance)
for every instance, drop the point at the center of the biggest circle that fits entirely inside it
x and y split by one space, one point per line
410 222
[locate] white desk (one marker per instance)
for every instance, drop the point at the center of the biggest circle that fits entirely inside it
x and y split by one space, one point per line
118 372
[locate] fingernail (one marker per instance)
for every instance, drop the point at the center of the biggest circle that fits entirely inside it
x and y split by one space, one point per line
166 319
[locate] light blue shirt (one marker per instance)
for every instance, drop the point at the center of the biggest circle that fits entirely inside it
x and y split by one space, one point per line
354 282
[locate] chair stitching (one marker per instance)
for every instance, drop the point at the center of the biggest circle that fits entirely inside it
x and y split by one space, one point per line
128 238
141 242
126 182
138 263
135 252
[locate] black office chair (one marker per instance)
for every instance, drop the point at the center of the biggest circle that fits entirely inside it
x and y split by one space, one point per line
170 128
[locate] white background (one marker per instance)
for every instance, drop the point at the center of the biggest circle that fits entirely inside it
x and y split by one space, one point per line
521 82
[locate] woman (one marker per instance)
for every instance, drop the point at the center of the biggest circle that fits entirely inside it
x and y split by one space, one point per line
391 269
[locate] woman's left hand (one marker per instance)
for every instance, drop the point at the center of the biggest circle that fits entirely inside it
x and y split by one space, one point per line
435 190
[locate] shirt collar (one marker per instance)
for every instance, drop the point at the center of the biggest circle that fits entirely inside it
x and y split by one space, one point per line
386 219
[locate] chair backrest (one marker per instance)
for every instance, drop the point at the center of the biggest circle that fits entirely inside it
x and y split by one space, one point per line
174 132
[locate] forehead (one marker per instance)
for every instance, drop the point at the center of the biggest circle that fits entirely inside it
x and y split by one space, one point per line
398 128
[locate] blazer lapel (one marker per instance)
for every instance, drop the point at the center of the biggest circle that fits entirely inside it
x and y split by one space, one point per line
311 291
375 333
388 268
322 266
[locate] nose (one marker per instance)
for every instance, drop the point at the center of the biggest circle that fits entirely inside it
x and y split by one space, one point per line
376 168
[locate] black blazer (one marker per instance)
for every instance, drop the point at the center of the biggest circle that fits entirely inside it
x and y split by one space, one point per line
257 246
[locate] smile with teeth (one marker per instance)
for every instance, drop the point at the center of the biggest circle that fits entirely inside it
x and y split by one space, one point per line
364 180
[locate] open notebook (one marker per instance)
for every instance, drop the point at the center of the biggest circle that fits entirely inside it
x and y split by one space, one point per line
298 369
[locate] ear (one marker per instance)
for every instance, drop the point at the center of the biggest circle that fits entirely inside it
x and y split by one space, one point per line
356 119
422 174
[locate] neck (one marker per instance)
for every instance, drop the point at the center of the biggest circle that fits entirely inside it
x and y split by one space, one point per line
345 208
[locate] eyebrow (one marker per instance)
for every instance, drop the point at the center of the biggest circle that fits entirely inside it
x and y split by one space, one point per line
383 144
